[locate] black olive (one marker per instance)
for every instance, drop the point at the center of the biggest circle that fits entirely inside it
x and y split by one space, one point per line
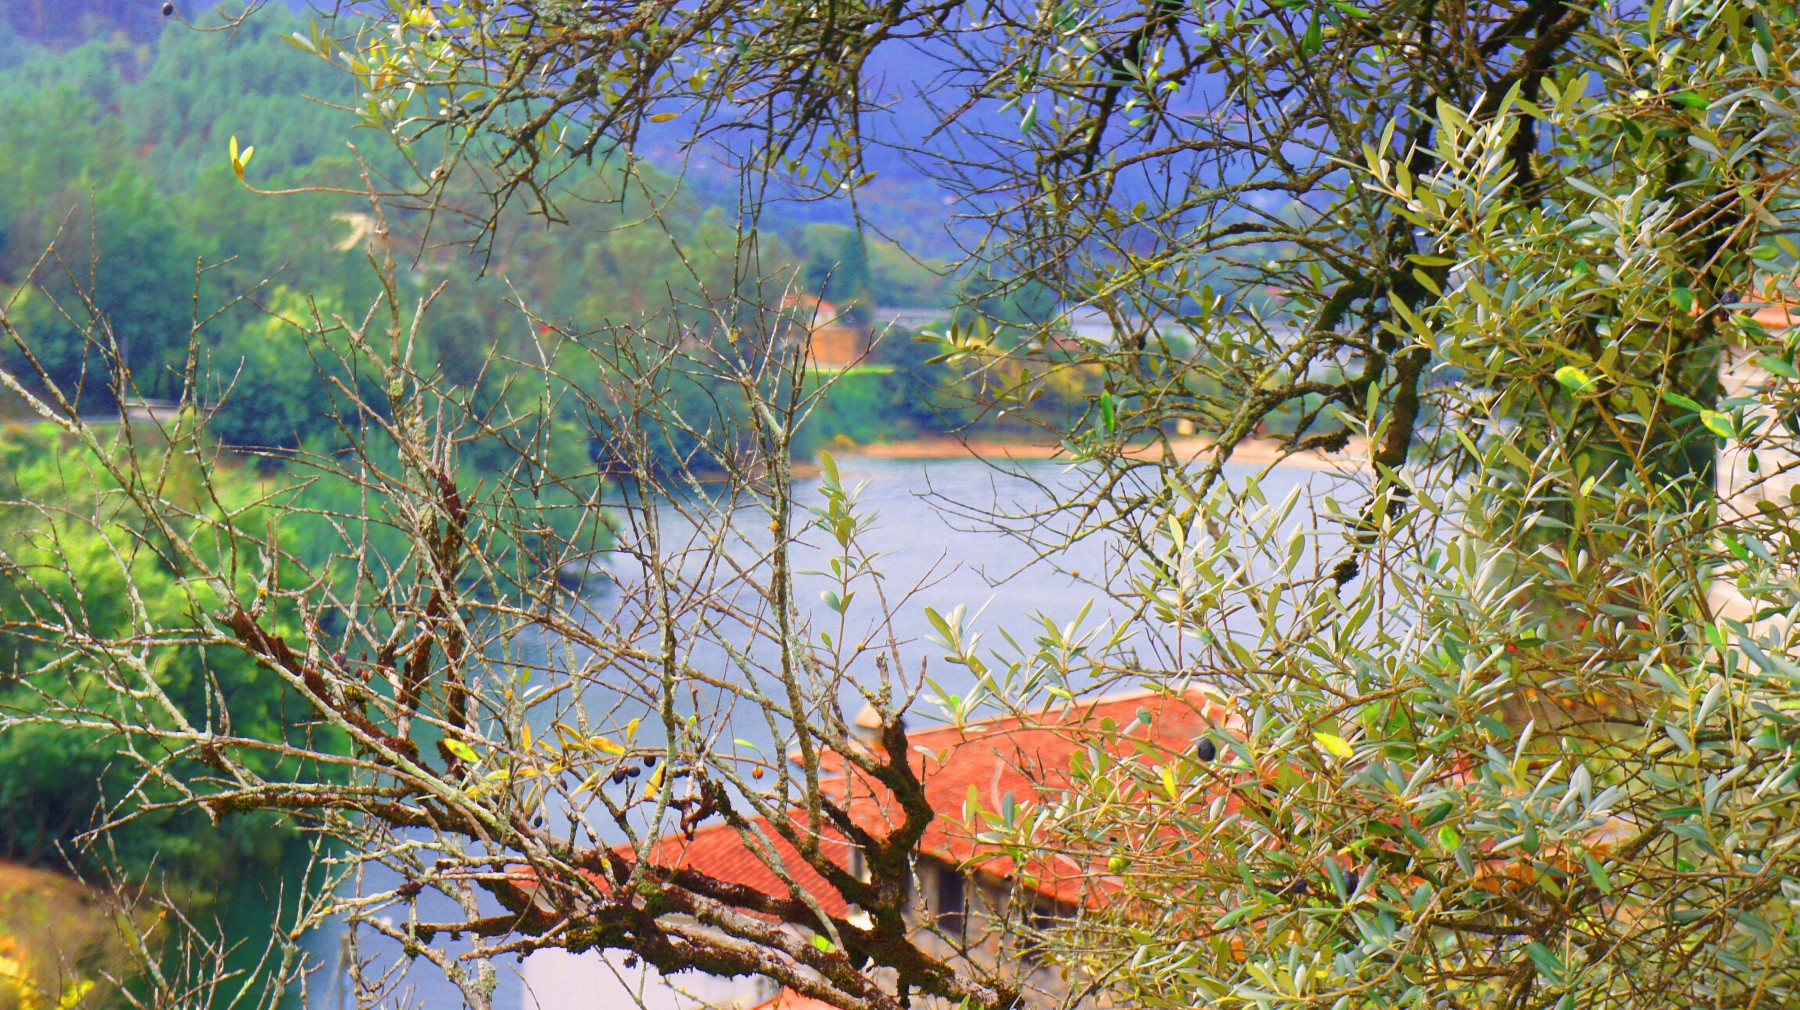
1298 887
168 9
1206 750
633 772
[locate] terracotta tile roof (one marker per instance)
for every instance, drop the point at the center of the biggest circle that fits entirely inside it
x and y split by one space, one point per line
1022 757
1018 756
787 999
1777 316
718 851
1767 306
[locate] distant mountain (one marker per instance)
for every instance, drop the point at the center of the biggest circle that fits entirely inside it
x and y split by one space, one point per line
66 23
914 86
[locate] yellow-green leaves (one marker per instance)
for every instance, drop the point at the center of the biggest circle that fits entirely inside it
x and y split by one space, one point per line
1716 421
1575 380
1334 745
461 750
1778 366
240 158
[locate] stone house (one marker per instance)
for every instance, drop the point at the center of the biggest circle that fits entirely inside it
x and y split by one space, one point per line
834 341
968 902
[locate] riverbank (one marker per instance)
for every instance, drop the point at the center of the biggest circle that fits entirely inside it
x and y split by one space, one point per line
57 940
1252 451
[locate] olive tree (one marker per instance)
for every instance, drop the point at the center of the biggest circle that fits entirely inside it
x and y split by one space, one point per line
1512 713
1541 753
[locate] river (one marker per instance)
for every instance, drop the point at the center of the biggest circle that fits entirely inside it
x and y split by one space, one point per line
922 537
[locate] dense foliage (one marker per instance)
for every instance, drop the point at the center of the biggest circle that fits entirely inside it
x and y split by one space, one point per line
117 154
75 547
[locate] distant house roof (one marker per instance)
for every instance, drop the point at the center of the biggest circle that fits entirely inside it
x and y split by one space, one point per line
833 340
822 310
1020 755
787 999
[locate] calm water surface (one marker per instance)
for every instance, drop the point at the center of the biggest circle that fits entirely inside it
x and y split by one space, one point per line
922 538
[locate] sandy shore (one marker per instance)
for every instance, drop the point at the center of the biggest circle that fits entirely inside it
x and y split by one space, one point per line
1258 451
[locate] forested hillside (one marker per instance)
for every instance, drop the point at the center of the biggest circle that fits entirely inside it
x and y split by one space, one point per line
116 158
118 155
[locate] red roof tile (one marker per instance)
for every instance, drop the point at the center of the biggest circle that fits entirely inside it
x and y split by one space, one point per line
788 999
1026 756
1023 756
719 851
1777 316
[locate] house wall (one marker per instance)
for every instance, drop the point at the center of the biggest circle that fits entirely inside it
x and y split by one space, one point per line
991 914
595 980
837 345
1738 487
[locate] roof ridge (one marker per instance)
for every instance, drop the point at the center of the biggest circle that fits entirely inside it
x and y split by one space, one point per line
1205 691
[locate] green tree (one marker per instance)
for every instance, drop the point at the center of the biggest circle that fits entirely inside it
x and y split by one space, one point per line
142 289
837 270
70 559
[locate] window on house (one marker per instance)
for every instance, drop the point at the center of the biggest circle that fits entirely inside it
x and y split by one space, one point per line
950 901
